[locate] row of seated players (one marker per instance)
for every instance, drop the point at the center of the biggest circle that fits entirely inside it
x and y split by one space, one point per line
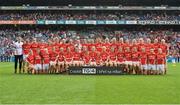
139 58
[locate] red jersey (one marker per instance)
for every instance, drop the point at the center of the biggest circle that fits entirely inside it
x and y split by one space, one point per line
98 60
107 45
90 46
164 48
76 56
120 45
49 47
98 47
34 47
152 58
30 59
26 48
46 58
68 57
128 56
86 58
93 56
120 56
104 56
37 59
127 46
112 56
61 57
141 46
156 46
53 56
135 56
114 45
42 45
148 47
143 58
71 46
161 59
56 45
134 46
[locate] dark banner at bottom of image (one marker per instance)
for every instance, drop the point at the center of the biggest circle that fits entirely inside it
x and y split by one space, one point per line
96 70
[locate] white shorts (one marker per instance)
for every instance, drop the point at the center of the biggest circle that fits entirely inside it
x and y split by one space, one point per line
60 63
92 63
38 66
68 63
76 62
45 66
120 62
52 62
161 67
135 63
145 67
151 67
128 62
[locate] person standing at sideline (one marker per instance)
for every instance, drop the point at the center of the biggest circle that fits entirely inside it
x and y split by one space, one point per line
18 54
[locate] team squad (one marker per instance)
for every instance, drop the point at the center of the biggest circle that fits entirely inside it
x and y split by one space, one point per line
137 56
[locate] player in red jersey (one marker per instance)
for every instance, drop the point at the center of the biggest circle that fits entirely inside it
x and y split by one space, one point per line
148 45
120 57
93 55
34 46
45 61
141 45
135 60
120 43
106 44
98 45
156 46
163 45
38 61
104 56
77 61
128 59
86 58
70 45
43 46
134 44
26 48
152 62
161 61
53 60
127 45
68 58
91 44
112 57
99 59
30 62
113 44
143 61
61 61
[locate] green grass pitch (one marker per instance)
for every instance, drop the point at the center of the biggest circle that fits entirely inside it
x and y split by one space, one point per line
89 89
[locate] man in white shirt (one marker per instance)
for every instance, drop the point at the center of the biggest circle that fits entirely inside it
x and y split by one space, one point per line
18 53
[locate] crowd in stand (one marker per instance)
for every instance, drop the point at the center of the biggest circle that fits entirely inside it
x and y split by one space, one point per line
8 36
76 15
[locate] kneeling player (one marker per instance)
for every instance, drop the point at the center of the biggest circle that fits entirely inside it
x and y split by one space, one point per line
104 56
93 55
161 60
68 57
30 62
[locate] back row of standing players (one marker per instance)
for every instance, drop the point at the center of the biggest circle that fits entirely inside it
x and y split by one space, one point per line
137 56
